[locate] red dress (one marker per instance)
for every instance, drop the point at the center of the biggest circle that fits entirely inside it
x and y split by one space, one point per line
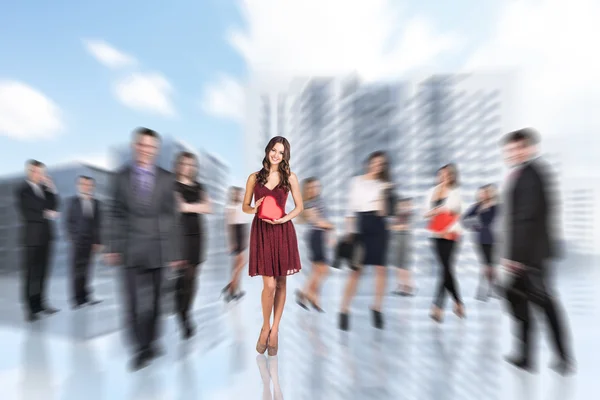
273 248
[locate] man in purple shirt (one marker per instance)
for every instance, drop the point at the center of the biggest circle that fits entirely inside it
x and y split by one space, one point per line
145 236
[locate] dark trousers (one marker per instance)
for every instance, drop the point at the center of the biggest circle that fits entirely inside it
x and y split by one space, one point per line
444 250
80 271
142 300
186 288
531 288
35 272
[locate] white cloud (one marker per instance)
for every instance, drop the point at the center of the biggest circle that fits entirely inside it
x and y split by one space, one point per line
150 92
224 98
108 55
26 113
315 37
552 43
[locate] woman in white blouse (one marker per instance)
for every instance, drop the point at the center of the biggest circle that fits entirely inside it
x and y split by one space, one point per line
443 198
366 223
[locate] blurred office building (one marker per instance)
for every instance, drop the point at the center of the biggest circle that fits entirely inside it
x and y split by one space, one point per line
65 178
580 217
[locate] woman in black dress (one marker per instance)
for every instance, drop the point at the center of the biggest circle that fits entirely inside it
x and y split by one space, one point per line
194 202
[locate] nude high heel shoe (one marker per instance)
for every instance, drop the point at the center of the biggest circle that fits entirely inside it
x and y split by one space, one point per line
272 350
261 348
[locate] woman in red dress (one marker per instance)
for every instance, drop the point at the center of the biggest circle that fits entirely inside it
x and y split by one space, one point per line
273 244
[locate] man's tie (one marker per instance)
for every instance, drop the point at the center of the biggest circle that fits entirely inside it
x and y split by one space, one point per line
144 186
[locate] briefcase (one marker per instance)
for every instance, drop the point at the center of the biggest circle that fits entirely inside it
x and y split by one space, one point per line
350 251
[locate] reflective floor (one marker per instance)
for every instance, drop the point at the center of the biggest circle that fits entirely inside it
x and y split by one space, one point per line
80 354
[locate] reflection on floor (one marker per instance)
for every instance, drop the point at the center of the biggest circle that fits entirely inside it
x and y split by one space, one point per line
80 354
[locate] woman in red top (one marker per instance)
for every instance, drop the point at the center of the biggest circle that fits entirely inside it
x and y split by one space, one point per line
273 243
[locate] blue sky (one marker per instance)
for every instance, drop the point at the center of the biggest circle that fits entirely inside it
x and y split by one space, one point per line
189 48
185 41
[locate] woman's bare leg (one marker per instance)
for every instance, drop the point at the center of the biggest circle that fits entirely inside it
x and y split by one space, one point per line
380 283
350 290
267 301
279 303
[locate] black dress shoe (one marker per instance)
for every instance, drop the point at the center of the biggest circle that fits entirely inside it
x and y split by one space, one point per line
140 360
238 296
32 317
520 362
50 310
189 330
564 367
344 321
155 351
377 319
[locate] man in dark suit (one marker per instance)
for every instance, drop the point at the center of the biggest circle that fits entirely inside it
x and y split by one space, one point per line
530 247
145 235
83 229
37 202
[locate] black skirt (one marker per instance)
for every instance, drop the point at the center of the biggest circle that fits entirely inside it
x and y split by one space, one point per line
193 249
373 235
240 237
316 242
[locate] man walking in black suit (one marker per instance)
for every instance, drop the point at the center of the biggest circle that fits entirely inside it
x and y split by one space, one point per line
37 203
145 235
530 246
83 229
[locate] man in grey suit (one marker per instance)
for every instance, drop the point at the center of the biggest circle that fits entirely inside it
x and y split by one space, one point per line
145 236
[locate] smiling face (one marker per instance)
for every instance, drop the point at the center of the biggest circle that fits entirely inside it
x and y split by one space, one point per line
314 189
146 149
86 186
35 173
377 165
187 167
516 153
276 154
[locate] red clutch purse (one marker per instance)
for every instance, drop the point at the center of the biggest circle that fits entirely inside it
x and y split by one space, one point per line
269 209
441 222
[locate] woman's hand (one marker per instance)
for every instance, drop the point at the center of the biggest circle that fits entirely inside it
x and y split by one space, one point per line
276 221
257 204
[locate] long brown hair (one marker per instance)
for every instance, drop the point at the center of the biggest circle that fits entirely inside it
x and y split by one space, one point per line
262 176
177 166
